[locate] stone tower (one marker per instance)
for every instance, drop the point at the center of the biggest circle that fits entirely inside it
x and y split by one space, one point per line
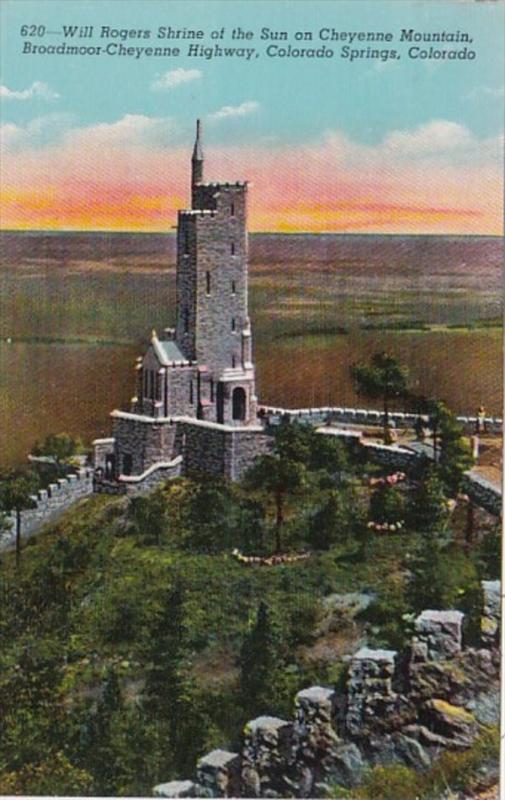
213 326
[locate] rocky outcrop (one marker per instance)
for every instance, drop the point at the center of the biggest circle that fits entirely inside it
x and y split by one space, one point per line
490 620
394 708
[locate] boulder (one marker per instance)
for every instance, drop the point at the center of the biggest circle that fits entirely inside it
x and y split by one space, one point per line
458 726
441 632
347 765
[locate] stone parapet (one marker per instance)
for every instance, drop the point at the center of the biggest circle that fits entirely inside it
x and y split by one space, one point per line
218 773
48 505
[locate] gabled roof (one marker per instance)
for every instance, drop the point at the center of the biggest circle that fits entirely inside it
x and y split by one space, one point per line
167 352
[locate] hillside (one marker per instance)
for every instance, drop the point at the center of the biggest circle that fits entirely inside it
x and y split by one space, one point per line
127 634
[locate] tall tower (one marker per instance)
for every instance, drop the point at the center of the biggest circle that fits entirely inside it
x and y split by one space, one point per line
213 325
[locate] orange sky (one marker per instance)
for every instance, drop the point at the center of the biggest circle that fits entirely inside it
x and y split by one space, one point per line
95 179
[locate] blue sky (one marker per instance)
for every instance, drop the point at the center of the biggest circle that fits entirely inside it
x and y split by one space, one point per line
297 98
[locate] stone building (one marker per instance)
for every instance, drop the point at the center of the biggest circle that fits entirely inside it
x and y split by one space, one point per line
195 405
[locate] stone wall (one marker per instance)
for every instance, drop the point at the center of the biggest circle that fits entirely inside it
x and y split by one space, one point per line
366 416
482 492
220 450
49 504
145 440
394 708
393 457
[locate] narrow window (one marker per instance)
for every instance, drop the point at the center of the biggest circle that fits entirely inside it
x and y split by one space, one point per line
233 361
191 399
186 320
232 210
233 287
211 390
207 280
233 325
186 242
232 247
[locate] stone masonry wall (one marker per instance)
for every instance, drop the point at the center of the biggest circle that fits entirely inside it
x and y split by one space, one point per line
366 416
49 504
395 708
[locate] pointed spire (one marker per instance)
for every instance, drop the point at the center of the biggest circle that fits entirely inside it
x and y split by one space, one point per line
197 149
197 160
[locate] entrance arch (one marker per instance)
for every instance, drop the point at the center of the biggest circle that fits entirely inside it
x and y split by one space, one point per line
239 403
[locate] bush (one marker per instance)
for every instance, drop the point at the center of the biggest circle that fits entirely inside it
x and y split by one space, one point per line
387 505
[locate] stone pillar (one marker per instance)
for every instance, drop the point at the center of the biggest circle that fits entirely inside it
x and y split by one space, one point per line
266 756
490 621
316 742
371 701
218 773
440 631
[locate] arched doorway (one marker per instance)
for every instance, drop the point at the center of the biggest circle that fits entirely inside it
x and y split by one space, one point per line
239 403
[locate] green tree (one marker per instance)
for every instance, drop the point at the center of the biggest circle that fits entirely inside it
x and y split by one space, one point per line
60 446
278 476
455 453
428 510
96 739
387 504
328 453
384 378
148 517
170 700
294 442
337 520
444 577
263 684
16 490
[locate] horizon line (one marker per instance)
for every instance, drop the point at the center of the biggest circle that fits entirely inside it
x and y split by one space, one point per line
114 232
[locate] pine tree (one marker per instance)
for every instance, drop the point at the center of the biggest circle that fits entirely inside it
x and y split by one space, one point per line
263 684
428 509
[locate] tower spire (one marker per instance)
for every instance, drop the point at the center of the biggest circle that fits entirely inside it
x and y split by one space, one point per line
197 157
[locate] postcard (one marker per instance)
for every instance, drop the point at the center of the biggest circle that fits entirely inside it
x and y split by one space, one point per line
251 393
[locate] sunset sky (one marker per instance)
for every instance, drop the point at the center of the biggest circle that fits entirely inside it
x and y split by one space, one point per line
396 146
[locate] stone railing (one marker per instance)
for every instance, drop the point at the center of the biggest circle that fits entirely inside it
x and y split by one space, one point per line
403 708
48 504
365 416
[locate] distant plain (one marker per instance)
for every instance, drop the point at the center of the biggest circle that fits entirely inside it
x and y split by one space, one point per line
75 310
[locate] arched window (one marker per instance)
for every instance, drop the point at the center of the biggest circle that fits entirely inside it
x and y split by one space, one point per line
233 287
232 248
232 210
239 403
207 282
